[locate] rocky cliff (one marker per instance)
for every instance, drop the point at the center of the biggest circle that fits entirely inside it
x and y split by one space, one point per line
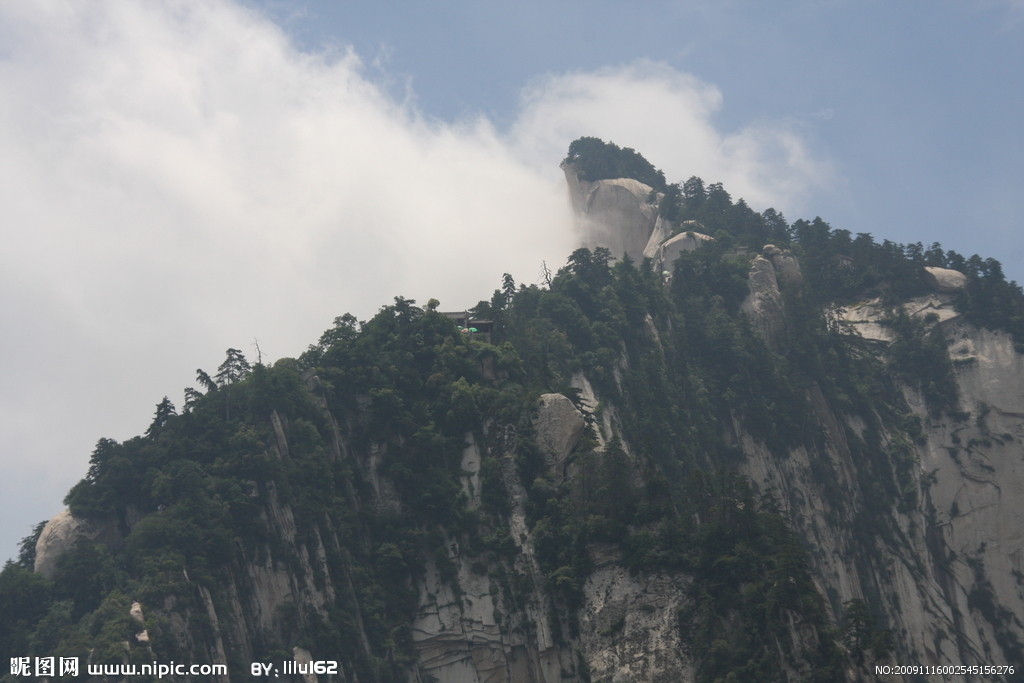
956 589
621 215
704 467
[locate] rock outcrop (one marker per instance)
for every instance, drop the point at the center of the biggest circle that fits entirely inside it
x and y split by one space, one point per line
618 214
871 319
629 630
763 305
621 215
304 664
559 426
868 320
666 253
61 534
948 573
561 559
787 267
976 486
945 280
953 559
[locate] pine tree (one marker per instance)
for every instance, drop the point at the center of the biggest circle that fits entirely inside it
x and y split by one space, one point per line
164 411
234 368
205 380
191 398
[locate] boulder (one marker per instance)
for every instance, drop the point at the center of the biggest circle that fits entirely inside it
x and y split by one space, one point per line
670 249
763 306
59 535
136 613
662 231
868 319
304 659
787 267
559 427
945 279
616 214
62 533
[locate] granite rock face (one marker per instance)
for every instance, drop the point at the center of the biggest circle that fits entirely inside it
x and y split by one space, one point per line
945 280
957 542
951 557
621 215
763 305
58 536
61 534
871 320
618 214
559 426
667 252
954 560
628 627
939 553
787 267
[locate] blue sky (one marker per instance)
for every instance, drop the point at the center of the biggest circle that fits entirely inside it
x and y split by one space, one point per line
916 103
185 177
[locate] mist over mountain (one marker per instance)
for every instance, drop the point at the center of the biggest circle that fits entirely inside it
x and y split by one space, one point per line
713 445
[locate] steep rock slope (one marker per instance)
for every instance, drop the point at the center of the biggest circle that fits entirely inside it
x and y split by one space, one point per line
778 454
618 214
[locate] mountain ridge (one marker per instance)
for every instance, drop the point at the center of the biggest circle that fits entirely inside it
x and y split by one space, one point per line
769 454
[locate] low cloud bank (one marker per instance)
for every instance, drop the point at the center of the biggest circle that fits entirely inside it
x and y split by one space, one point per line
179 178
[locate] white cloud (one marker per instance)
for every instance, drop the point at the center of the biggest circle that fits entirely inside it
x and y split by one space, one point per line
669 117
179 179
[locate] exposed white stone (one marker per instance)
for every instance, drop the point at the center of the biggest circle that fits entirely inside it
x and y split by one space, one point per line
60 535
629 626
559 426
945 279
136 613
662 231
871 320
217 647
867 319
458 638
935 307
763 306
304 659
787 267
605 414
616 214
669 250
470 479
965 534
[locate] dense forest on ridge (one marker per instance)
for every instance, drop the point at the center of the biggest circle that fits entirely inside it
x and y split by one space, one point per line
185 505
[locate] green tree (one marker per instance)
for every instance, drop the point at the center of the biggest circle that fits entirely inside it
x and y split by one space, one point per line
164 412
595 159
508 290
693 192
24 599
861 632
776 227
27 547
234 368
205 380
191 398
106 450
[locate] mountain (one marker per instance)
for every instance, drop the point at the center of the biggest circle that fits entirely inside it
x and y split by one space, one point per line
713 446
